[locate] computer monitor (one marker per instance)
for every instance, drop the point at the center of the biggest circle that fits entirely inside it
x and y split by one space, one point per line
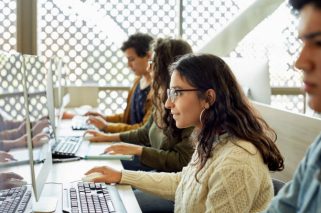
39 172
253 76
56 68
54 95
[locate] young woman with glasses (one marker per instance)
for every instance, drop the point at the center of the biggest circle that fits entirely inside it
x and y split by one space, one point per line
235 150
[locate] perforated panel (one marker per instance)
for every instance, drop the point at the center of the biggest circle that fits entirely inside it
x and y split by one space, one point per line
112 101
294 103
8 25
14 106
10 75
88 35
36 71
90 44
11 82
202 19
276 39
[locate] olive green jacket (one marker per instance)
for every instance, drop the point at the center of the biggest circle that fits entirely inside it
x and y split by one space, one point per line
160 152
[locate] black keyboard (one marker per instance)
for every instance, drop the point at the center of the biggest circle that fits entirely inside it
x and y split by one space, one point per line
93 198
66 147
15 200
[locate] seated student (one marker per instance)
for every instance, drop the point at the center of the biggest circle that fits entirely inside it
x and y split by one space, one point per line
229 171
137 50
303 192
159 144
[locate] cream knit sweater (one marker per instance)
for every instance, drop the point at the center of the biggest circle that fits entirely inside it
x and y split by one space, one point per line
235 179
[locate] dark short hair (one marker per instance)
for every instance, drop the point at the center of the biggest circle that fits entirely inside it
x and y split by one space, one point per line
140 42
299 4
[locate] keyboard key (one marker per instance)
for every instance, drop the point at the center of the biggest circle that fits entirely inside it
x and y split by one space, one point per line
94 198
15 199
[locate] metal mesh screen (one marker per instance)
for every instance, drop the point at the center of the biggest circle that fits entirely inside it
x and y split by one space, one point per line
87 36
8 25
36 71
111 101
11 89
202 19
281 48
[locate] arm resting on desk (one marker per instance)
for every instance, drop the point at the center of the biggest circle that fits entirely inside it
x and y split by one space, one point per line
161 184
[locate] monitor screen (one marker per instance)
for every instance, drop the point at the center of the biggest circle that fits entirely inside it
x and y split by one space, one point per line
13 151
40 172
253 76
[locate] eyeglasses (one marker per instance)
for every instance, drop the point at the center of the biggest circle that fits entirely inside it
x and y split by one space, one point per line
172 93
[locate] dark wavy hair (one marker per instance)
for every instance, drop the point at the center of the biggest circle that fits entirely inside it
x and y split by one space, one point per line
140 42
299 4
166 51
231 112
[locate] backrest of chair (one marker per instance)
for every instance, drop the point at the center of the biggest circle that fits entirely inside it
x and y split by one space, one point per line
277 185
295 132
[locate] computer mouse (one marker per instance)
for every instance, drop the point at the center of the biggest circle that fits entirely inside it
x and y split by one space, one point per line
87 137
90 177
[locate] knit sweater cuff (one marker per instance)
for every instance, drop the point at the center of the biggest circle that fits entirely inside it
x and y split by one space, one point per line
129 177
146 182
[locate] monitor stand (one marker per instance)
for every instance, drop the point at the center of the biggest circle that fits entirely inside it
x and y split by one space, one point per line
45 205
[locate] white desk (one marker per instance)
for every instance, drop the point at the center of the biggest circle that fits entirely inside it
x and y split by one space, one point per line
73 171
67 172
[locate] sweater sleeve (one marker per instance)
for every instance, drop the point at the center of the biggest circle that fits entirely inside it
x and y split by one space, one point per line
232 189
138 136
122 127
116 118
161 184
172 159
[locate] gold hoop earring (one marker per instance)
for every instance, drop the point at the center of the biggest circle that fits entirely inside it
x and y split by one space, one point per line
201 115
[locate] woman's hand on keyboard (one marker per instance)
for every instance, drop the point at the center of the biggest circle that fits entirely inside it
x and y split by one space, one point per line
91 113
109 175
124 149
98 122
101 137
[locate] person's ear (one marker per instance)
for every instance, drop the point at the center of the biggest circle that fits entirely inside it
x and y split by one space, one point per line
149 55
210 98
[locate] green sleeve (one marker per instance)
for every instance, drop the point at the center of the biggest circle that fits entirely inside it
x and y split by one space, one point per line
172 159
139 136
